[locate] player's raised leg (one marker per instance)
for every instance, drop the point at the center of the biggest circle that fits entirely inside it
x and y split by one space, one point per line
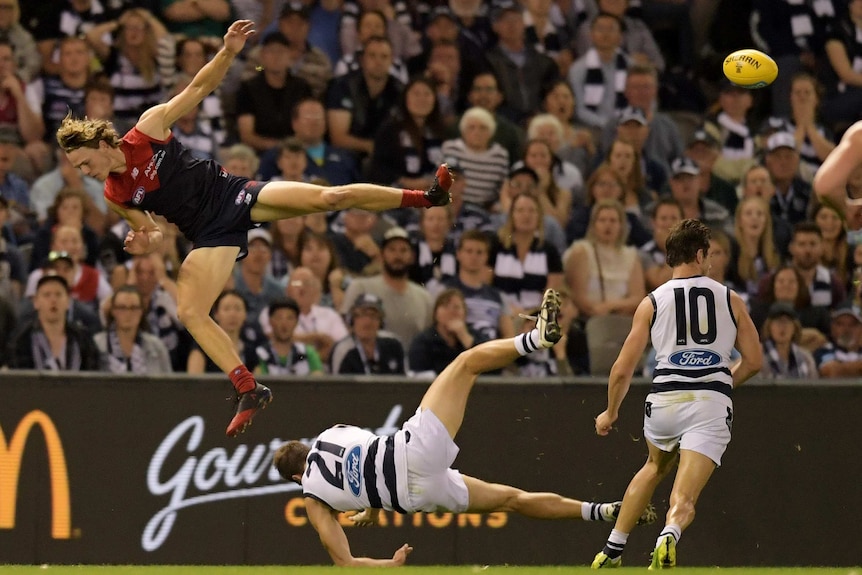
447 396
279 200
202 278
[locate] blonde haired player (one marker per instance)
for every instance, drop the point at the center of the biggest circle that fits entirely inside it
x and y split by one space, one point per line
148 170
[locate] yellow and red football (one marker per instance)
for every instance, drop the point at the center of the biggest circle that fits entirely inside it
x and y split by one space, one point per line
750 68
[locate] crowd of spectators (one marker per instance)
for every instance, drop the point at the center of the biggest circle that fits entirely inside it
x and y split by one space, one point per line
580 132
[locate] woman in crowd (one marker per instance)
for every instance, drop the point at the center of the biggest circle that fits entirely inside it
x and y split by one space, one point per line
837 255
71 207
604 184
604 275
556 199
576 143
783 356
230 311
317 252
787 286
285 247
438 346
525 265
407 146
569 170
813 140
126 346
484 163
625 160
754 254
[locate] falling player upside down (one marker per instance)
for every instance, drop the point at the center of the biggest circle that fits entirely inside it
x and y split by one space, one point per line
148 171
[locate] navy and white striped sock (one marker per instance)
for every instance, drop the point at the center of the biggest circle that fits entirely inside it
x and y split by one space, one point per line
616 543
527 342
672 530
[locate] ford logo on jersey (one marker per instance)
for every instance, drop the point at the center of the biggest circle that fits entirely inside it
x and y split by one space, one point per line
353 472
695 358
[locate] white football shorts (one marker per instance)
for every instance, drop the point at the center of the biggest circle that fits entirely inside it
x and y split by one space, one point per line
431 483
698 420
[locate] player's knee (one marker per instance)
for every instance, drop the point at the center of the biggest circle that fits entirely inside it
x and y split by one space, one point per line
337 198
189 315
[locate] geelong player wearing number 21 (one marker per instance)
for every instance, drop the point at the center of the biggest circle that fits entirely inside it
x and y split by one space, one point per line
694 323
349 468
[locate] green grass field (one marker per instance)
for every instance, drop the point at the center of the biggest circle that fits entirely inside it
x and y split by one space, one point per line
436 570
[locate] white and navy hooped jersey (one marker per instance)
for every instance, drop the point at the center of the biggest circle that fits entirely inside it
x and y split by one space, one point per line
693 332
351 468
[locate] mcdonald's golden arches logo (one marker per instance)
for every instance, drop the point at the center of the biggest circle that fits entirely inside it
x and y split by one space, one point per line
10 469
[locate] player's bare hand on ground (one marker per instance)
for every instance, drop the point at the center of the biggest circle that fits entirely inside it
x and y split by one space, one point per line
138 242
364 517
400 556
604 423
237 34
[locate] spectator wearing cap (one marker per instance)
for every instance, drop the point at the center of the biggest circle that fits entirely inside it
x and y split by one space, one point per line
814 140
87 284
484 162
484 92
664 140
370 24
317 325
685 189
282 354
359 102
49 342
637 39
783 356
230 311
703 148
264 101
309 62
405 42
407 147
731 127
251 277
407 305
792 193
438 345
634 128
520 69
842 356
525 180
369 349
598 76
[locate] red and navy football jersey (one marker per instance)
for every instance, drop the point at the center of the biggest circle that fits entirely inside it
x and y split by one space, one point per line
162 177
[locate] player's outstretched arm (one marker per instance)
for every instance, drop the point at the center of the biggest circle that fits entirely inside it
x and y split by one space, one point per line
747 342
157 121
334 540
830 182
624 367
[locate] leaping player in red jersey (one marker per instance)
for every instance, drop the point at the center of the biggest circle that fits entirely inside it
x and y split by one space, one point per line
148 171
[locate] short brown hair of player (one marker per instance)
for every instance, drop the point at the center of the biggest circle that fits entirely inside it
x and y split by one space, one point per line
289 459
86 133
685 240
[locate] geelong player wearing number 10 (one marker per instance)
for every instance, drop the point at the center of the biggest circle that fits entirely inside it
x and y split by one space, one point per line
349 468
694 323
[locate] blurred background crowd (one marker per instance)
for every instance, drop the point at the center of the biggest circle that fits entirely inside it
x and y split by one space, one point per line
580 131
